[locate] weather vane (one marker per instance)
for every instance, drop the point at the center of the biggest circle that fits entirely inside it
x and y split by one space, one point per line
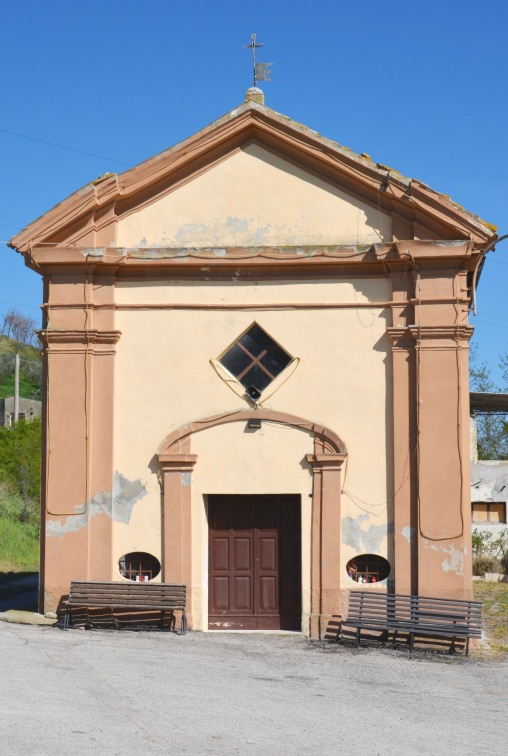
261 72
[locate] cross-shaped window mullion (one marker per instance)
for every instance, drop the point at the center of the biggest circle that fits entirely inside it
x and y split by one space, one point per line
255 361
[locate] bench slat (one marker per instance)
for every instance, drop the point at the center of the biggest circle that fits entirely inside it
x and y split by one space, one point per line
163 597
416 615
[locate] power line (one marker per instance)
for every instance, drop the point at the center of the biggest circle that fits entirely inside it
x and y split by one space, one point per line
498 262
64 147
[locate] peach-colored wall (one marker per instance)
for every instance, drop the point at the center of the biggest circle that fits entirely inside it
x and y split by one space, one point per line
340 377
254 197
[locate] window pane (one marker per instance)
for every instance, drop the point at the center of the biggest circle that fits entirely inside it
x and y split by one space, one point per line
257 378
256 340
479 512
497 512
236 360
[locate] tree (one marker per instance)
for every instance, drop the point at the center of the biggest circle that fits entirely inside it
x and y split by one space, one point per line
19 327
491 430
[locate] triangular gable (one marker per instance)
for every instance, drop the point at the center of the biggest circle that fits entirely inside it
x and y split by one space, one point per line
109 212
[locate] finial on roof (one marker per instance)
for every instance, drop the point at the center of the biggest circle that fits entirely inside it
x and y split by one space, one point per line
261 72
256 94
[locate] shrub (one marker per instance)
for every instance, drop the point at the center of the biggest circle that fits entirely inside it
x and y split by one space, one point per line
483 564
490 551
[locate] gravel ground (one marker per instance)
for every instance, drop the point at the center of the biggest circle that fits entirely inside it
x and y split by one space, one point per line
126 692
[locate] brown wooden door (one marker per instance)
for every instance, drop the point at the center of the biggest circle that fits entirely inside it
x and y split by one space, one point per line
254 562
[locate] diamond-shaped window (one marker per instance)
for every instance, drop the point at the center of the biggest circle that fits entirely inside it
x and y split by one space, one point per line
255 359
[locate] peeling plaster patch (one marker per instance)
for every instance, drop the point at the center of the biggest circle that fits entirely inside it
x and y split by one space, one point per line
69 525
352 532
186 479
117 506
125 494
236 224
93 252
408 534
364 541
218 252
189 231
456 561
375 536
262 233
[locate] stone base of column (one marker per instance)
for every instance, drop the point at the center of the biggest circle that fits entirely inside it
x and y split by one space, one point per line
325 626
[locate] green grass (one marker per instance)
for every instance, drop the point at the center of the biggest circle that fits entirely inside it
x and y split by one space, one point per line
495 612
19 546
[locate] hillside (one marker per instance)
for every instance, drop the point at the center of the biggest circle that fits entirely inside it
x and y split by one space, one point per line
30 369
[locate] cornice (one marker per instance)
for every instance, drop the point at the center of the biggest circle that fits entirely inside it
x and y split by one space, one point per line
79 337
115 260
452 333
325 462
171 463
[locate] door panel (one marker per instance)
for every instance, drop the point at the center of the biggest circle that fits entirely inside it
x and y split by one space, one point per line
221 554
267 550
255 562
221 593
242 554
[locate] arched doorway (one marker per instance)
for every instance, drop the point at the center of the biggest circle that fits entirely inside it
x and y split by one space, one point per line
324 461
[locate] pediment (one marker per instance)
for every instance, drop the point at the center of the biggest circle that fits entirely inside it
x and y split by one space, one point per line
253 178
253 197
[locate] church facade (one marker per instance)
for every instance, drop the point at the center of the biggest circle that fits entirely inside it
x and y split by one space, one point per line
256 356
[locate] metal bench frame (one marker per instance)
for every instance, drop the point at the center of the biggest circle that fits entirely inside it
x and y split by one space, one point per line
415 615
94 594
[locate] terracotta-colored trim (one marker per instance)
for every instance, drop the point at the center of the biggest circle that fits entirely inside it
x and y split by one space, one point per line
443 336
173 443
177 462
84 337
326 595
177 520
404 558
78 438
325 461
244 306
457 251
440 533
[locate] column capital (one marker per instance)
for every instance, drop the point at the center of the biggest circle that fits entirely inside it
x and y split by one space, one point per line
321 462
177 462
402 338
441 336
79 340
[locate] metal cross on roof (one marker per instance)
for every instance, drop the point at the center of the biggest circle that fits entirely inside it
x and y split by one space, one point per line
261 72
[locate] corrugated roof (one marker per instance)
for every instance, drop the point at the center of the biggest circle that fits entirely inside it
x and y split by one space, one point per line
483 402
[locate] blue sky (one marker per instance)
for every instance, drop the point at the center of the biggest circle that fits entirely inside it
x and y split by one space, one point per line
419 86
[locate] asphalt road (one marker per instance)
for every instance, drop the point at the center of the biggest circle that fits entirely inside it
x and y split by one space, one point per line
125 692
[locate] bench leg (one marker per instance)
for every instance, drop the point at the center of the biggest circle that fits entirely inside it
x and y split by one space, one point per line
67 618
357 637
411 641
183 624
467 646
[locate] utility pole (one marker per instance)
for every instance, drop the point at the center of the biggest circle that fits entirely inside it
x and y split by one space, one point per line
16 389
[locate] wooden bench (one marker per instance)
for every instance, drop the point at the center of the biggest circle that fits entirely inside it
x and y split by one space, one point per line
416 615
94 594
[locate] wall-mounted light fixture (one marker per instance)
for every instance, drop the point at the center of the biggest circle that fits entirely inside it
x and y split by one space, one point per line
253 393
